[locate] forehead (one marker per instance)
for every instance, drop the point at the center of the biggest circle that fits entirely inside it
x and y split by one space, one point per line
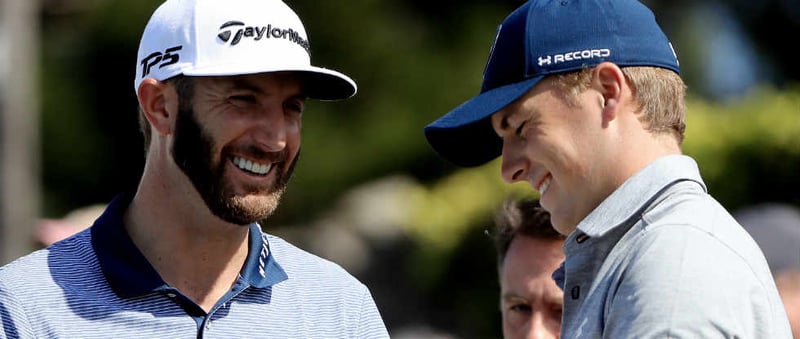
261 82
527 270
533 256
525 104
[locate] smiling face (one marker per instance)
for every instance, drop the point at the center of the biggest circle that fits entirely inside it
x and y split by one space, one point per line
558 147
531 302
238 142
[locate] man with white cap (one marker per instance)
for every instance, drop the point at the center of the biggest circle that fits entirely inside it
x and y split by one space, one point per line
583 100
221 86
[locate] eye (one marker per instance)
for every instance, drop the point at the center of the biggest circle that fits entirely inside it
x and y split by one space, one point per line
243 98
519 307
294 106
521 129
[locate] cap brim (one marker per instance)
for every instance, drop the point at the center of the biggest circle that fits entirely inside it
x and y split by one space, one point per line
465 136
326 84
319 83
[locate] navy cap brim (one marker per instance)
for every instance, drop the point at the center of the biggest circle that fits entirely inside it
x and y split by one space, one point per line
465 136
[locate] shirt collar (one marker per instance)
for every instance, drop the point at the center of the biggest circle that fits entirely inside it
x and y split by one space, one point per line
131 275
636 193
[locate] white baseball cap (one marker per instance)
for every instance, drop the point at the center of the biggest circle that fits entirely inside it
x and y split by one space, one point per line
232 37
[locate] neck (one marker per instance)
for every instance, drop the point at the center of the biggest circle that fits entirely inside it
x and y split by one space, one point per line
646 149
190 248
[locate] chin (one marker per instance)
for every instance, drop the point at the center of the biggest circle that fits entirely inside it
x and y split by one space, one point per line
256 206
561 225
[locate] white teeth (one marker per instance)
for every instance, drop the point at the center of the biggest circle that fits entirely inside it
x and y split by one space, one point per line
251 166
543 187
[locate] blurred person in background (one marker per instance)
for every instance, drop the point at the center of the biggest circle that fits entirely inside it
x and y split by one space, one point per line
222 86
584 101
529 250
776 229
51 230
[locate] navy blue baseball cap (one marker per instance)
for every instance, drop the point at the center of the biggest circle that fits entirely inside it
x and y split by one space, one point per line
541 38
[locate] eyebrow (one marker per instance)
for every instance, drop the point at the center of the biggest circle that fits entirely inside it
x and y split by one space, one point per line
245 84
508 296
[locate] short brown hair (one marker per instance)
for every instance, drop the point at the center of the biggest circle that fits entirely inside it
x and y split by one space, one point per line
524 216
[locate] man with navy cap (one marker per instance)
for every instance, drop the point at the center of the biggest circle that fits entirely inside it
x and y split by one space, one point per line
222 86
583 100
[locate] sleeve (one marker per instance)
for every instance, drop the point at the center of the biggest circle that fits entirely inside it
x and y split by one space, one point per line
682 282
13 321
370 321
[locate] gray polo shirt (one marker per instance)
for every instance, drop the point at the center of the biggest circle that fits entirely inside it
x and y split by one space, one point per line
661 258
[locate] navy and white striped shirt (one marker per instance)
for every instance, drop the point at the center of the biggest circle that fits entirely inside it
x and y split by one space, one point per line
97 284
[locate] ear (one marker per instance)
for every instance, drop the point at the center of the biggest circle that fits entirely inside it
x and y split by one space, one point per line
159 104
609 80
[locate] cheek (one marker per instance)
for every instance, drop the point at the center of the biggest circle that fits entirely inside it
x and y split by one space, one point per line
293 125
293 136
294 129
513 322
515 147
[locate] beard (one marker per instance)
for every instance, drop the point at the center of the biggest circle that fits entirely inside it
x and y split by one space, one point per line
193 152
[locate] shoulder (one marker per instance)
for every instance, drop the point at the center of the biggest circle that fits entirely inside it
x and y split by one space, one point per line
63 264
24 273
689 228
689 265
689 236
302 265
324 286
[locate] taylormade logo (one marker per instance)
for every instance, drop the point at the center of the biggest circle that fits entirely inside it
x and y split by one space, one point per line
571 56
234 31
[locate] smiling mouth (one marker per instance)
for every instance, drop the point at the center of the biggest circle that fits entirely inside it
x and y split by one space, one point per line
544 185
250 166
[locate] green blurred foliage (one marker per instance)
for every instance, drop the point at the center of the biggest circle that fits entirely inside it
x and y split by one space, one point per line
748 151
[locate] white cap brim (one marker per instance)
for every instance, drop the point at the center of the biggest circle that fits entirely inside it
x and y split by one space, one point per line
318 83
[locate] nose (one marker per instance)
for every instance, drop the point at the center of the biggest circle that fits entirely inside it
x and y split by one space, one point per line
513 166
539 328
271 128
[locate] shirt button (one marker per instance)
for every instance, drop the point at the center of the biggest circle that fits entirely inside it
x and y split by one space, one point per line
171 295
576 293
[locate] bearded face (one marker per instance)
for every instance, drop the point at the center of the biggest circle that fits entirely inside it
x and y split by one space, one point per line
207 164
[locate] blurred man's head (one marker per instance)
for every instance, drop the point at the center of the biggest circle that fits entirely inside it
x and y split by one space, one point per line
529 250
776 229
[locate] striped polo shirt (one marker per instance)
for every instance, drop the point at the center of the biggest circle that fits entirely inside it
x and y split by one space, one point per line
97 284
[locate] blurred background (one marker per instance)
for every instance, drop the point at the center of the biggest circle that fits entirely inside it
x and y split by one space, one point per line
369 193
